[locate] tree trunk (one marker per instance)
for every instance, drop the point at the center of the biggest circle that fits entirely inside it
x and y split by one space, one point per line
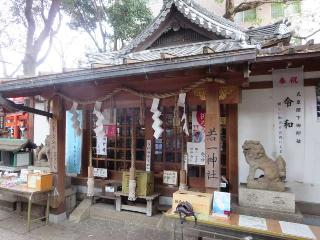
33 44
229 14
29 65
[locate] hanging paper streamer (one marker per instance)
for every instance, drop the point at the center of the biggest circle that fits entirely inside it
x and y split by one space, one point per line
100 119
182 103
156 126
75 119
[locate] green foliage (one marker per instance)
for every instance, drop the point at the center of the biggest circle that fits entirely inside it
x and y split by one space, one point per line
123 19
128 18
82 12
219 1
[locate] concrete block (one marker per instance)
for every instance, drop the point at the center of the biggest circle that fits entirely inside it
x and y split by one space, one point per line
264 199
57 218
81 212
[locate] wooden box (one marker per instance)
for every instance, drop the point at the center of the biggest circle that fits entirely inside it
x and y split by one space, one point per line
145 183
41 182
201 202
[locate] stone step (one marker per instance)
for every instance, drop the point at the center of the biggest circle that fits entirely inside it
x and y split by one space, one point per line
81 212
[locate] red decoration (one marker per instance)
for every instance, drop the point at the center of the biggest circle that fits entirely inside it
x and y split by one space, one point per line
111 131
201 116
282 81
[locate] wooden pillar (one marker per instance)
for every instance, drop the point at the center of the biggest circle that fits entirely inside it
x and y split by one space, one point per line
59 114
86 143
212 140
30 131
232 148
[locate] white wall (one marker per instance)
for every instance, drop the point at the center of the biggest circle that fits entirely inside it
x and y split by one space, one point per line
41 126
256 123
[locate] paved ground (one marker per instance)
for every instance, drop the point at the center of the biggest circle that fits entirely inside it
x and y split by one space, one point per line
13 227
123 226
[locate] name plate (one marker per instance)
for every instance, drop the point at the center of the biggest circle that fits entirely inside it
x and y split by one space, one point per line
100 172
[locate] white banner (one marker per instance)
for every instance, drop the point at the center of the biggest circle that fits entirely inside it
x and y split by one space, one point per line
288 98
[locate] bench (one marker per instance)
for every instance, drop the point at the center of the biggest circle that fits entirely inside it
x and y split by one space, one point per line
151 203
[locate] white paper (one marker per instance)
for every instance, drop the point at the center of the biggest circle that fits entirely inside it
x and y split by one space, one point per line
170 177
148 156
102 146
155 104
100 172
196 153
253 222
297 229
182 100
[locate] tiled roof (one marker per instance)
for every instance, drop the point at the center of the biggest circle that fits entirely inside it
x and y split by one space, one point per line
213 46
262 35
196 14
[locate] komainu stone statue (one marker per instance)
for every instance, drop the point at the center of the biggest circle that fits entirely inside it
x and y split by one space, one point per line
42 154
274 171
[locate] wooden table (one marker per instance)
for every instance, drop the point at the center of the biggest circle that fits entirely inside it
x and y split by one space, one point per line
147 209
273 232
33 196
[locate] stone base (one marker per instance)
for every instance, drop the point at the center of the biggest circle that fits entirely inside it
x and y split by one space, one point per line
264 199
57 218
296 217
266 185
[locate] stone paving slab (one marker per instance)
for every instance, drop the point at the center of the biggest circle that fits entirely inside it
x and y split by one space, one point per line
13 227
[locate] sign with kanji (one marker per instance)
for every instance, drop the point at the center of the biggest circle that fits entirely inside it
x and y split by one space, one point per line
101 146
288 99
170 177
196 153
148 156
212 149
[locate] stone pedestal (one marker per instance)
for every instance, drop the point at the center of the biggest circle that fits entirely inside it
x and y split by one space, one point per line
269 200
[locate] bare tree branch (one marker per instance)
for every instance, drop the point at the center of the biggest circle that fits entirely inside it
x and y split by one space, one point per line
305 37
54 9
4 65
42 12
232 10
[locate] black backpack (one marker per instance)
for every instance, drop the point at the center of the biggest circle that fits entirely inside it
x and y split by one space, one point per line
185 210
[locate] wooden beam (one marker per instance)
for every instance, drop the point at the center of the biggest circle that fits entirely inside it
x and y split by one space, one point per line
60 118
13 107
212 140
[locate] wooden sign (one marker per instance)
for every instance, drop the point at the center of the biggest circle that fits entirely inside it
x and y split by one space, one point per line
53 143
148 156
212 165
170 177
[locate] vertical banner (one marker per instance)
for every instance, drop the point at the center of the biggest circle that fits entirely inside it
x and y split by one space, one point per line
318 101
148 156
53 143
288 98
73 145
212 144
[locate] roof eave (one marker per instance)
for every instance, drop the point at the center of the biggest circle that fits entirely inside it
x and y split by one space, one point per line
127 70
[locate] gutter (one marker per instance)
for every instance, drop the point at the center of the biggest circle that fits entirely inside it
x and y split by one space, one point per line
134 69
